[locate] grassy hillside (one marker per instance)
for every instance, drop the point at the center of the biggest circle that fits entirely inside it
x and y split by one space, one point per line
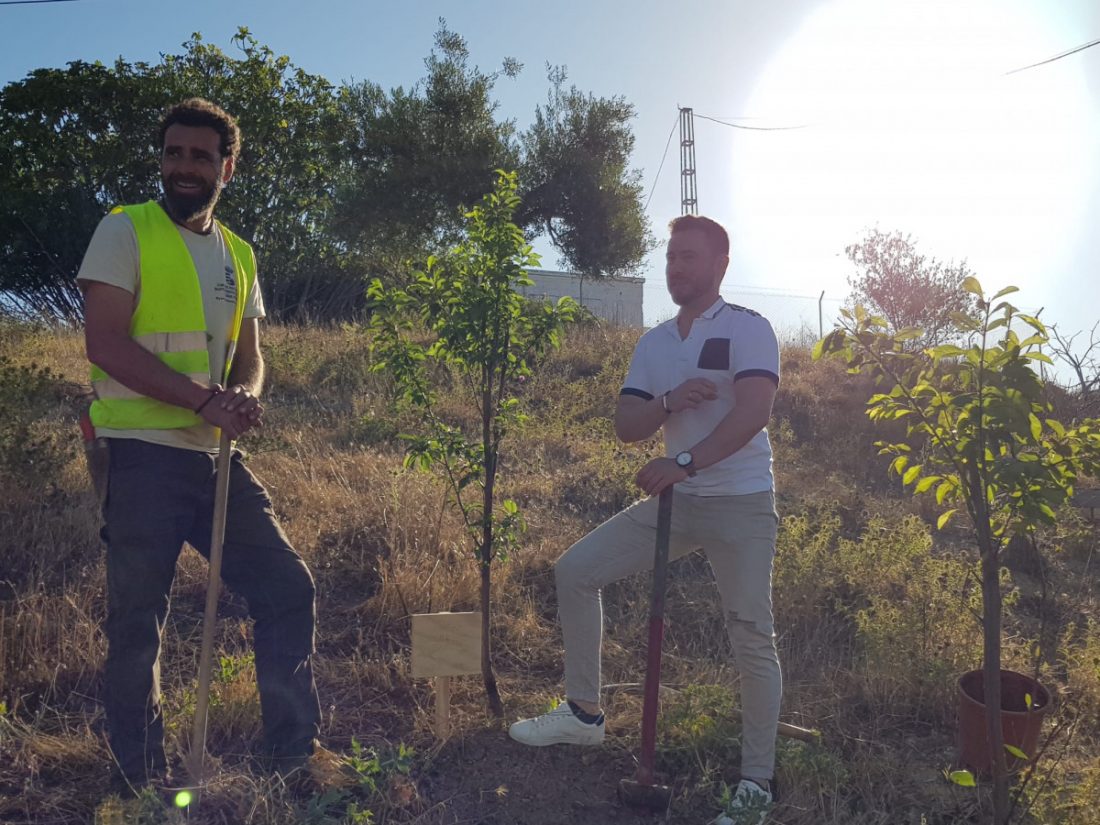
875 613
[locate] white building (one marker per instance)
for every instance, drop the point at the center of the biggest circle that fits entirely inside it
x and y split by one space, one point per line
616 299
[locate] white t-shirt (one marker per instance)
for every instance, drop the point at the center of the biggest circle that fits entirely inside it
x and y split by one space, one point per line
113 258
726 342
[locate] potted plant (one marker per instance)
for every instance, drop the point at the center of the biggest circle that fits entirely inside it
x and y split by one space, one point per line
1024 705
988 445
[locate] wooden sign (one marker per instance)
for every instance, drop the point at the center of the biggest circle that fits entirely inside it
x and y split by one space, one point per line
445 645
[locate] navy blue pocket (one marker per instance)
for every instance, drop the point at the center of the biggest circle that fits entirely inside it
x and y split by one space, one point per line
715 354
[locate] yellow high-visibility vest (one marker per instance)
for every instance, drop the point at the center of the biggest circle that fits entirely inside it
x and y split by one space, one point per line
168 321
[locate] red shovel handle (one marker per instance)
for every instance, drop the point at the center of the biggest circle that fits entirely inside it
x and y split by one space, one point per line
647 759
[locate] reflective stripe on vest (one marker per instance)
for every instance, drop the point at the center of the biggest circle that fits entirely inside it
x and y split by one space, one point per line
168 321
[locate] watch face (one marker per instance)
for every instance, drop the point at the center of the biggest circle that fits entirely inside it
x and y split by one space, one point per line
684 459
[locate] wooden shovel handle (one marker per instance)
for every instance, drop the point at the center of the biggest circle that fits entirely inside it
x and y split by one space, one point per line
785 729
210 615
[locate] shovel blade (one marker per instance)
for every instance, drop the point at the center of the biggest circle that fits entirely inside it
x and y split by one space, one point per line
636 794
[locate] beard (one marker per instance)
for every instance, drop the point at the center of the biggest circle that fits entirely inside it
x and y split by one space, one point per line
186 206
684 293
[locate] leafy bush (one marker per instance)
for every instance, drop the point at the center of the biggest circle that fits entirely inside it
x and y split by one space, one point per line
371 429
1081 657
903 611
698 732
917 630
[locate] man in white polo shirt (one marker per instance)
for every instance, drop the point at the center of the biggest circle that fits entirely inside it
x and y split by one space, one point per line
708 378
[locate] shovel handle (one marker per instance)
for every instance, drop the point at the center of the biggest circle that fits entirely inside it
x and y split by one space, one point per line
647 758
210 615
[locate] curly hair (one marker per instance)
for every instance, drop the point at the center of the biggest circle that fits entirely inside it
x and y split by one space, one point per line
716 236
197 111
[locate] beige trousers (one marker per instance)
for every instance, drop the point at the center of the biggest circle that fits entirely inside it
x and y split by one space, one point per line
738 535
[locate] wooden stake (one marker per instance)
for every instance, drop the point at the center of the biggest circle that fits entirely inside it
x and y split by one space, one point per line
442 706
445 645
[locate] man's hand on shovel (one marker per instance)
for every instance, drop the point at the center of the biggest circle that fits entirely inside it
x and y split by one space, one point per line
658 475
234 411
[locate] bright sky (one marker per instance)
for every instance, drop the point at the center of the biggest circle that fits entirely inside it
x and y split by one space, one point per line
910 120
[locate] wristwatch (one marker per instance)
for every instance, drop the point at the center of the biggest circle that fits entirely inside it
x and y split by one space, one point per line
686 461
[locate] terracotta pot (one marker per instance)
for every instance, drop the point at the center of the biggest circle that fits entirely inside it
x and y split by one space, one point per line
1021 724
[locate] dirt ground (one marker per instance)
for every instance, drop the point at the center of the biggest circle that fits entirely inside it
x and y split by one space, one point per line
488 779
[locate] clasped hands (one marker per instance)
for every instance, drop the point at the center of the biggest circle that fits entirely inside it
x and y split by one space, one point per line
234 410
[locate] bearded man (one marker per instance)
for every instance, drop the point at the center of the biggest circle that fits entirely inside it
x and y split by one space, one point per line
172 305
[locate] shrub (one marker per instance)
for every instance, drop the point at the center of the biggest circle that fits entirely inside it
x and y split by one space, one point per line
31 449
903 611
917 630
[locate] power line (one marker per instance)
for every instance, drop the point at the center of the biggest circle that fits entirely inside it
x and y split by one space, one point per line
727 121
753 128
663 156
31 2
1080 48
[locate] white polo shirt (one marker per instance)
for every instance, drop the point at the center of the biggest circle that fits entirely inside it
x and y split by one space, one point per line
726 342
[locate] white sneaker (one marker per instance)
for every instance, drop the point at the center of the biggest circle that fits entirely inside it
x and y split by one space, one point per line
749 806
558 727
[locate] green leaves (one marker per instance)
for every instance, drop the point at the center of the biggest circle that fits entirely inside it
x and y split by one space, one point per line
963 779
975 419
1036 426
925 484
464 314
578 185
979 430
78 141
333 181
946 486
971 285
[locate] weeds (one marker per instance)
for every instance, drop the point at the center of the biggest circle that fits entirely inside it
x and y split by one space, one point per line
873 608
30 448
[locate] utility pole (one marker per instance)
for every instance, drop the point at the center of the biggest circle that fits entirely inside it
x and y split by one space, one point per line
689 198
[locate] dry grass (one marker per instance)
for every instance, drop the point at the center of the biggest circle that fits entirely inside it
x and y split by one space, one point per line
874 615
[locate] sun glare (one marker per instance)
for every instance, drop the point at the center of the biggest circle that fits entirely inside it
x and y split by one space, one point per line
912 124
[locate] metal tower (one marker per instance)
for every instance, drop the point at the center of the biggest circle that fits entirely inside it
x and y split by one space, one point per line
689 199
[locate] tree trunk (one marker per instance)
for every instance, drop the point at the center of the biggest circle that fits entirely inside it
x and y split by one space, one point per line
991 622
496 707
492 695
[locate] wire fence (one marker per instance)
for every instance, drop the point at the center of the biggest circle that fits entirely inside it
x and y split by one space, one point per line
798 319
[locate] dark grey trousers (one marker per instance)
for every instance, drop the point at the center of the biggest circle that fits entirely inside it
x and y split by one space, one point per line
159 497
